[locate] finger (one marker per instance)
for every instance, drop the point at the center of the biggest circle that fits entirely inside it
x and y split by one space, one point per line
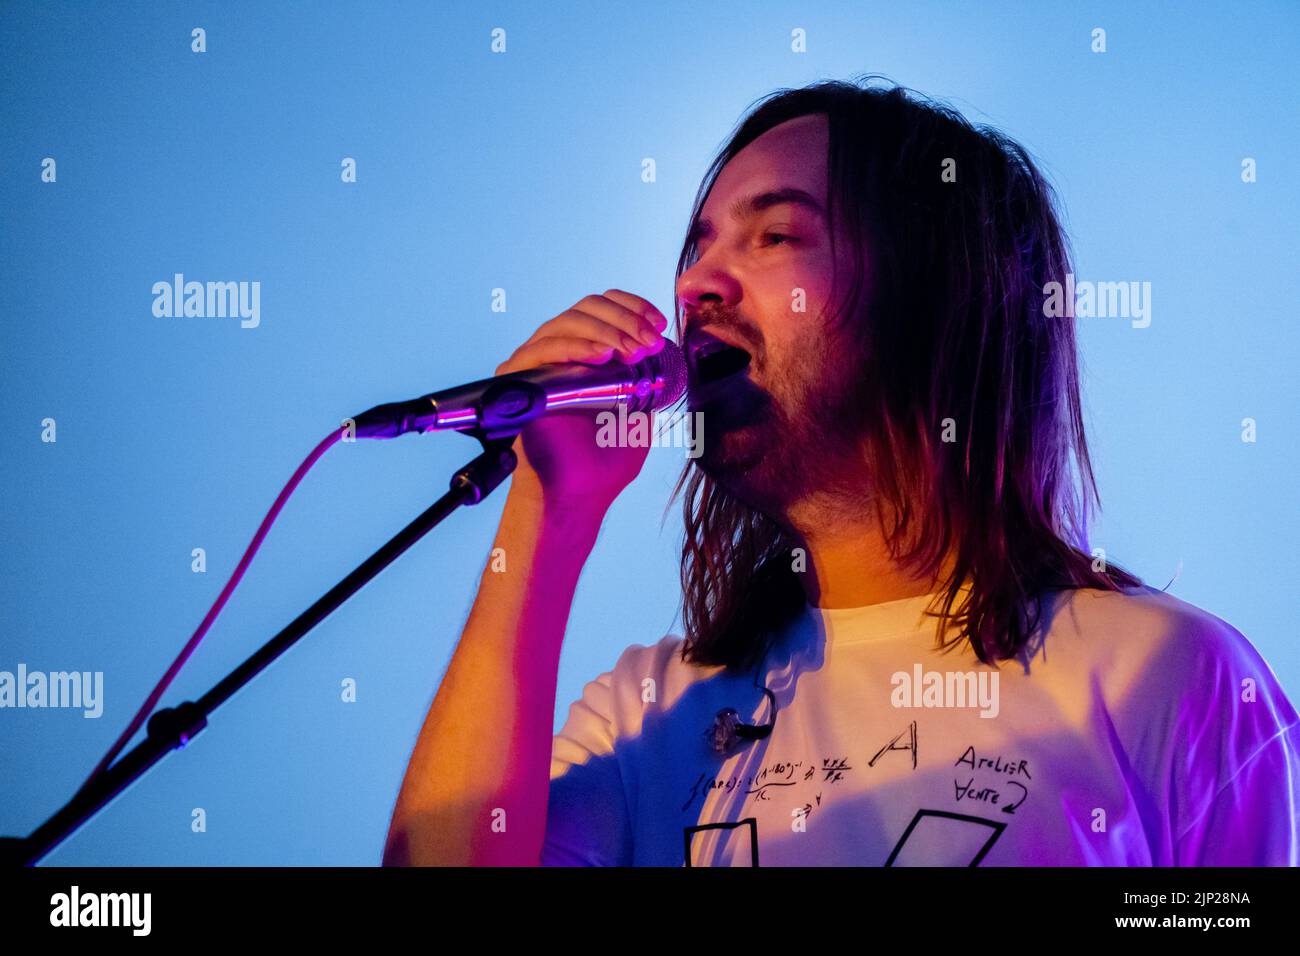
577 324
642 307
633 321
628 356
554 349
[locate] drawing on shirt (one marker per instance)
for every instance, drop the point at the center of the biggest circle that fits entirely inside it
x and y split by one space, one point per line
957 833
968 791
961 837
775 775
932 838
891 746
782 773
689 836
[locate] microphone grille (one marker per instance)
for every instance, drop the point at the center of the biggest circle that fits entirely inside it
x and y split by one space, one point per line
670 366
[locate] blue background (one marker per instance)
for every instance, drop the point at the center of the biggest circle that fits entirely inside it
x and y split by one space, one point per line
522 171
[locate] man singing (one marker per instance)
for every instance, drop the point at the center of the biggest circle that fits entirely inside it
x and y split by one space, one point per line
899 647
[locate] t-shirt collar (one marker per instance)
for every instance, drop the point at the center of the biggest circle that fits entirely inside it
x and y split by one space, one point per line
888 619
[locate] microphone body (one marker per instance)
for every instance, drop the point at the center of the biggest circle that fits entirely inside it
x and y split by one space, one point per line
502 405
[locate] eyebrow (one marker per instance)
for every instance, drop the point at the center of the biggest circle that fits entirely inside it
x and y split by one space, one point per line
748 206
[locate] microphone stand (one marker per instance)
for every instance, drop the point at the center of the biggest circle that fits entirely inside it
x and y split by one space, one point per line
173 727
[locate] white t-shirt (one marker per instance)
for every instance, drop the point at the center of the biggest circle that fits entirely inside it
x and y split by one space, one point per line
1140 731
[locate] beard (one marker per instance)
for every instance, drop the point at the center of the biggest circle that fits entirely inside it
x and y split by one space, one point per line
795 437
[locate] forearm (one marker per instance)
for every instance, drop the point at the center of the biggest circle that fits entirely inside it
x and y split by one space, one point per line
476 787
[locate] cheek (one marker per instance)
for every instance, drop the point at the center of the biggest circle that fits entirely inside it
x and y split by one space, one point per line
789 303
808 283
795 293
795 355
797 284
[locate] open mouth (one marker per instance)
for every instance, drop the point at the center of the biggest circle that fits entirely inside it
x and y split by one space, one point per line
712 361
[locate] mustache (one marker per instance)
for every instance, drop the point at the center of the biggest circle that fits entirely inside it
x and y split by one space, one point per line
728 319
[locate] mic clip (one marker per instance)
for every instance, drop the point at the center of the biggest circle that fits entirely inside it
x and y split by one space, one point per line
728 730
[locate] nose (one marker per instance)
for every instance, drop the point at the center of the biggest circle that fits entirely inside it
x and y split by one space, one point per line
708 281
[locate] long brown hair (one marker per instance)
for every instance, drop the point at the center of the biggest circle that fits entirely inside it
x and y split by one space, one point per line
975 445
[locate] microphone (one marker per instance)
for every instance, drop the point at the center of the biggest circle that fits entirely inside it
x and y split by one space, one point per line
500 406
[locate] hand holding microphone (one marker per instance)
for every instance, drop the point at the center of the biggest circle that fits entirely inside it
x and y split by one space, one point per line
559 459
606 351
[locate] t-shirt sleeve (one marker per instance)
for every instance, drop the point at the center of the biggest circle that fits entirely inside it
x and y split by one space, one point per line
1254 818
1237 795
587 820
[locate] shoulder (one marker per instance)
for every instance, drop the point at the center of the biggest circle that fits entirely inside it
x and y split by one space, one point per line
656 656
644 677
660 662
1178 664
1142 623
609 705
1144 608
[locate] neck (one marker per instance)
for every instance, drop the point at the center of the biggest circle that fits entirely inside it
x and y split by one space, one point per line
849 564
